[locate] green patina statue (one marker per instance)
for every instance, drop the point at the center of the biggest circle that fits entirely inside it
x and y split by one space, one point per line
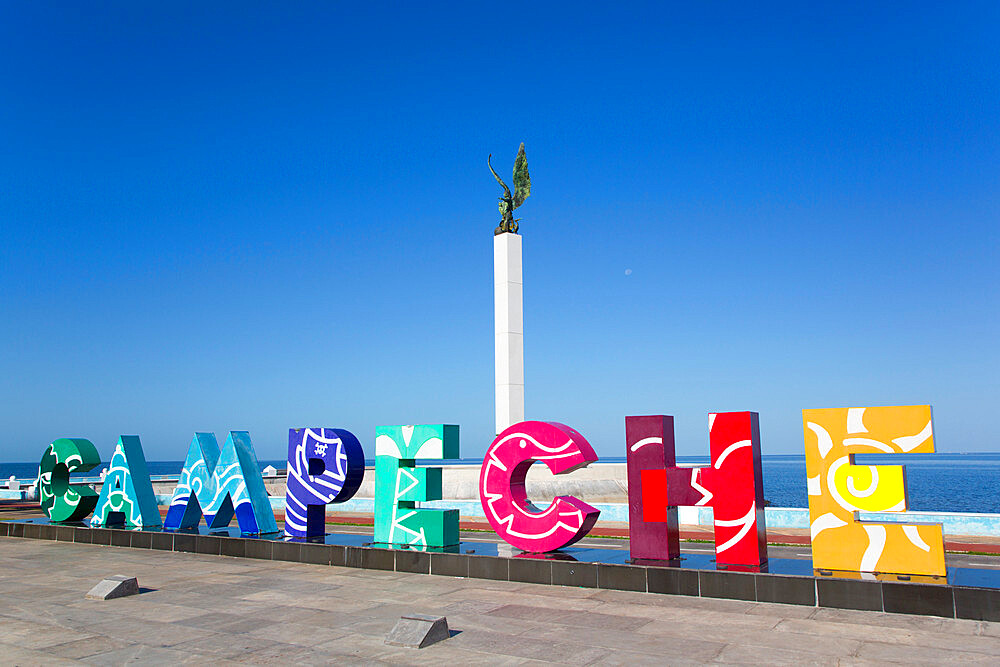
522 188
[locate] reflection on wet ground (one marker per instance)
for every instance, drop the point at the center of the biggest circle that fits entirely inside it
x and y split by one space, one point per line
983 577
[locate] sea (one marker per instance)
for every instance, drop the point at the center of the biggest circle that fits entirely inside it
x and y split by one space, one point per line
935 482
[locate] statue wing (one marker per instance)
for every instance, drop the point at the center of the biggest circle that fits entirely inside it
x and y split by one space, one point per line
503 185
522 180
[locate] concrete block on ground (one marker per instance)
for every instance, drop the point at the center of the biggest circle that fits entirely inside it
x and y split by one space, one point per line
418 631
116 586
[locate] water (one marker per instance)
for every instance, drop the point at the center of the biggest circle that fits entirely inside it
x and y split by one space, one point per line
28 471
935 482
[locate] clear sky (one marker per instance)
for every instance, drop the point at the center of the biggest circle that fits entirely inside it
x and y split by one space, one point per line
270 216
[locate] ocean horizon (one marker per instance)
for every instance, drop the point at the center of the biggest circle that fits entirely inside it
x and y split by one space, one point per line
939 482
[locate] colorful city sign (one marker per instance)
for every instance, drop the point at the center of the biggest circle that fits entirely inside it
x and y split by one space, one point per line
325 465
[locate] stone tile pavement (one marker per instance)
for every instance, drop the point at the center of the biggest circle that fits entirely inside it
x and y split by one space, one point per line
212 609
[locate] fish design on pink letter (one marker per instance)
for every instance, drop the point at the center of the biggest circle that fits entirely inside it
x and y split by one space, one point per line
505 500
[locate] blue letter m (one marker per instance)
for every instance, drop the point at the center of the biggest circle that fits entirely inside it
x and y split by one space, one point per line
220 485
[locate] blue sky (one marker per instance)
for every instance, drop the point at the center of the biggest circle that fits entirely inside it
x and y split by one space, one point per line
259 217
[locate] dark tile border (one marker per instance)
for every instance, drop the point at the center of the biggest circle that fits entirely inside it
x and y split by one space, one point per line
234 546
141 540
161 541
314 554
485 567
925 600
338 555
621 577
567 573
208 545
352 556
290 551
890 596
378 559
417 562
262 549
673 581
530 570
184 542
728 585
849 594
121 538
450 565
979 604
786 590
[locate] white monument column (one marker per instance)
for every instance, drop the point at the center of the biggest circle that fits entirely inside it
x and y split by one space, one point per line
508 323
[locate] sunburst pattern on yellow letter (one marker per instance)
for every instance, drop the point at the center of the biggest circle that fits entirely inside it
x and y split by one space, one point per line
838 489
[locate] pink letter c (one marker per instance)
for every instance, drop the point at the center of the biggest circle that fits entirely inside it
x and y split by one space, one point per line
505 500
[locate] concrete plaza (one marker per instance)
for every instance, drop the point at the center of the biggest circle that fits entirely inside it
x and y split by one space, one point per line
215 609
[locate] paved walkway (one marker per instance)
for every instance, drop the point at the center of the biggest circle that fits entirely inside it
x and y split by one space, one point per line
215 609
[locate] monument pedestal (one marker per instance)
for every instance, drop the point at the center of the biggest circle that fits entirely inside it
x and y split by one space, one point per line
508 323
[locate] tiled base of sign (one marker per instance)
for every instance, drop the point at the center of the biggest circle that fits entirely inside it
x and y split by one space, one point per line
978 602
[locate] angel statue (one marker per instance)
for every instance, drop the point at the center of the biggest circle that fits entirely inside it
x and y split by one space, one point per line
522 188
